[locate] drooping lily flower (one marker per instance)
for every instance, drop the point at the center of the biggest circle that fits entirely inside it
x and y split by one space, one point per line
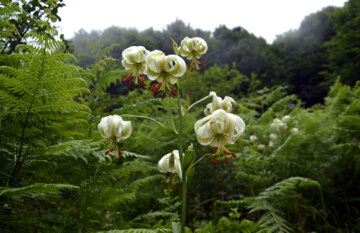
170 163
133 59
165 70
193 49
218 130
219 103
114 129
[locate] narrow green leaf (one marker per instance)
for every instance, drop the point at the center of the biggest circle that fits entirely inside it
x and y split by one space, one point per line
189 157
175 47
187 103
171 120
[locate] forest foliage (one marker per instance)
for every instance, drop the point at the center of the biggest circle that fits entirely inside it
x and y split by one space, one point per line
55 175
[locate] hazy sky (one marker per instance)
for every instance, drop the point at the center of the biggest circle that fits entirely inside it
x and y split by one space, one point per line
264 18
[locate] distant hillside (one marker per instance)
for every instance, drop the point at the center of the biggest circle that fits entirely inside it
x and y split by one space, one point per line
306 60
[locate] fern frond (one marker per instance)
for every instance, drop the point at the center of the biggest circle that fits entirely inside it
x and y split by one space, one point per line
36 189
139 230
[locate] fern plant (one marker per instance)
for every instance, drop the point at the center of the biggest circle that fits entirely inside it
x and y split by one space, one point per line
36 96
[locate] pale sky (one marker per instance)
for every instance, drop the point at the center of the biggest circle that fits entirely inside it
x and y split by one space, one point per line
264 18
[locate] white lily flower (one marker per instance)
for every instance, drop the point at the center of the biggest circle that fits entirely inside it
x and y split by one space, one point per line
170 163
133 59
219 103
193 49
114 129
219 129
253 138
164 69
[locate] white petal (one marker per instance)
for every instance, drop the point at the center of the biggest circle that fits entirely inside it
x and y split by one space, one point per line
127 130
104 126
227 103
208 110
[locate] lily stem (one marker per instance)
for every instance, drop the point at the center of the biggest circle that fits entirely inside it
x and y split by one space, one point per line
184 180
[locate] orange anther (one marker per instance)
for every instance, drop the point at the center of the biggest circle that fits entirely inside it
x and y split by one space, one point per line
152 87
233 155
174 93
226 160
155 91
127 78
131 83
163 95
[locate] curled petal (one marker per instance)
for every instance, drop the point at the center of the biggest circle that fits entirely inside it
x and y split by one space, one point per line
126 131
175 65
227 103
170 163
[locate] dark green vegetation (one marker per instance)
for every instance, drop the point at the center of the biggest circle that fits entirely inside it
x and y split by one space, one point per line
54 176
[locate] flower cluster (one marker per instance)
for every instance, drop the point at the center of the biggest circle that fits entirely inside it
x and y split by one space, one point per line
165 70
220 127
114 129
193 49
278 128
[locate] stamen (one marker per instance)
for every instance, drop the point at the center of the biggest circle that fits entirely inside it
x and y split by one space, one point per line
170 86
216 147
131 83
174 93
143 83
155 91
213 159
120 152
152 87
226 151
233 155
226 160
163 95
159 85
142 78
188 66
218 163
201 63
127 78
107 152
210 122
139 86
192 69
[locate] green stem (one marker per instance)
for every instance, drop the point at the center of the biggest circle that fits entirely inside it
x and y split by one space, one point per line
151 119
203 157
184 179
199 101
